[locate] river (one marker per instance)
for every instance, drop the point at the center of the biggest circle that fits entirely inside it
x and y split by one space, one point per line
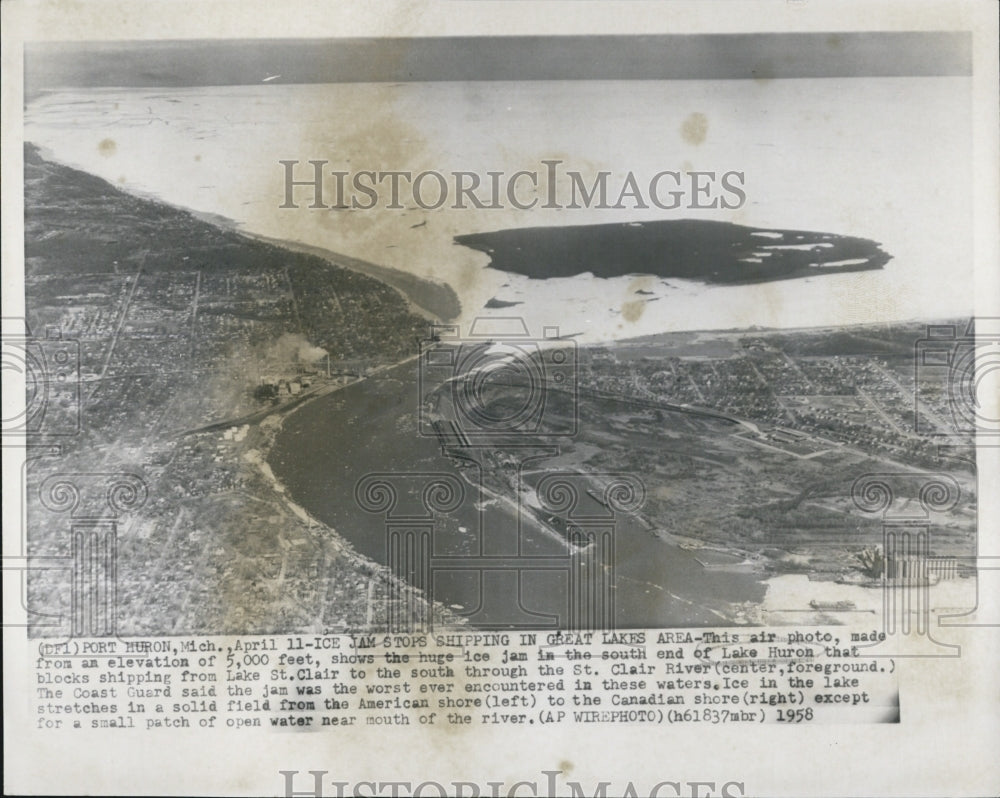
327 446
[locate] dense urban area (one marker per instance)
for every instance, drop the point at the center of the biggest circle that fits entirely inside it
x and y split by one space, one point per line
192 340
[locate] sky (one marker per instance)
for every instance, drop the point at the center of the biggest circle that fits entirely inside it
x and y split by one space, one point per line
761 56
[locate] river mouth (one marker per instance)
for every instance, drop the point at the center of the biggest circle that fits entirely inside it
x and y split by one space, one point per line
494 563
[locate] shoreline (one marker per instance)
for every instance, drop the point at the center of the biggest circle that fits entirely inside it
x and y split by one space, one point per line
256 458
441 305
444 304
268 427
734 613
270 422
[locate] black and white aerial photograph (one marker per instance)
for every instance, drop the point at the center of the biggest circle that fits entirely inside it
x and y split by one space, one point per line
502 333
552 398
